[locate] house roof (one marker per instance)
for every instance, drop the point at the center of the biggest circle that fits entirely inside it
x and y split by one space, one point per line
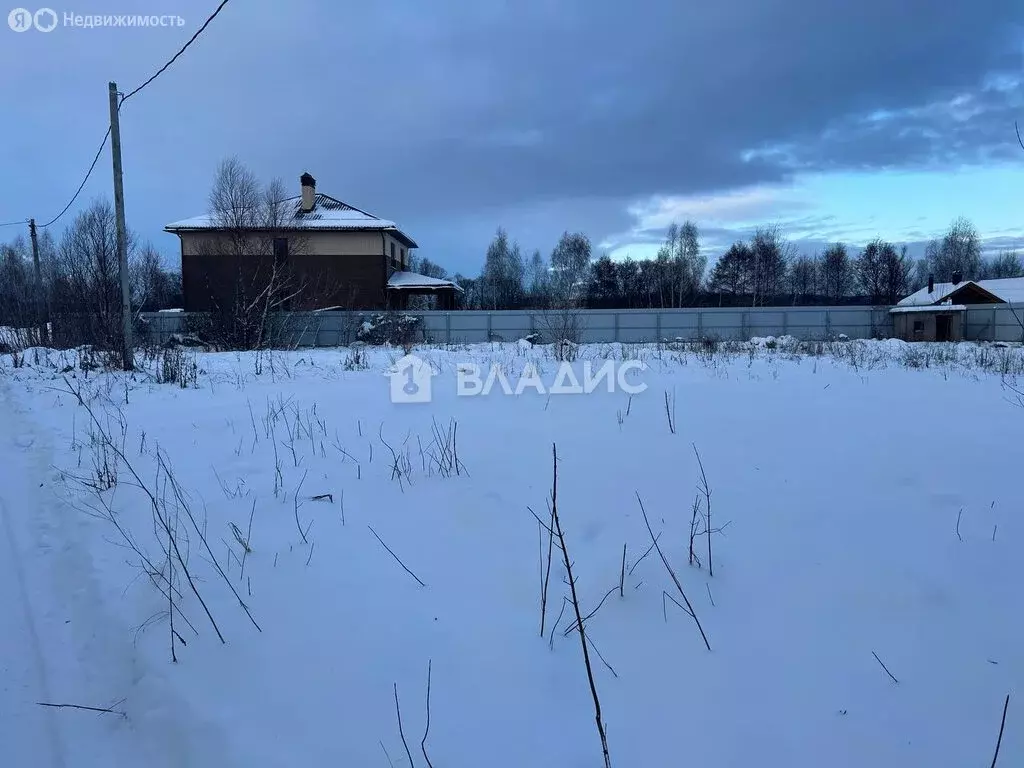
412 280
1008 289
328 215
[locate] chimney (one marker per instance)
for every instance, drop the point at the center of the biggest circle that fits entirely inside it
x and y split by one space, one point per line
931 283
958 277
308 192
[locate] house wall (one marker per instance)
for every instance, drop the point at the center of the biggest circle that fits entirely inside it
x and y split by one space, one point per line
398 263
344 243
355 282
903 325
316 243
346 269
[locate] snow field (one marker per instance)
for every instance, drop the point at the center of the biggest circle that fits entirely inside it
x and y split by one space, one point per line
866 494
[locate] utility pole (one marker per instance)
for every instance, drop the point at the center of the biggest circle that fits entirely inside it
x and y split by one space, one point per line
41 317
127 356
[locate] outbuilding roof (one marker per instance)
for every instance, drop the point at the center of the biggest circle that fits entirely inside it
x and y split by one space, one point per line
1007 289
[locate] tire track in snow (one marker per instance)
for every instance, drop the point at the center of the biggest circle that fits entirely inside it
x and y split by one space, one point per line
82 646
15 582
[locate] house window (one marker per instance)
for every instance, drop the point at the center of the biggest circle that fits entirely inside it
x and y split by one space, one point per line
392 251
918 326
403 258
280 249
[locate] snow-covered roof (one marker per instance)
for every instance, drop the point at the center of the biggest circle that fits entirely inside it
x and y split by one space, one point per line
1009 289
929 308
408 280
328 214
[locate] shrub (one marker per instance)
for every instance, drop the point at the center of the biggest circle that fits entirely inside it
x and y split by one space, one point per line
399 330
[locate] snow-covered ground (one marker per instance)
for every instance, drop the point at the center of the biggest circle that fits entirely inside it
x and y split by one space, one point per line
866 514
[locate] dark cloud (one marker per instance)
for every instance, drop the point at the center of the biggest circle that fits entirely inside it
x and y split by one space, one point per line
542 115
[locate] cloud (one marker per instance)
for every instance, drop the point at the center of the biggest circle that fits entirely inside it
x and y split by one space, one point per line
441 114
736 206
970 126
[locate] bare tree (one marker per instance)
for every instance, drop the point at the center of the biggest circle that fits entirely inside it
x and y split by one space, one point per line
803 279
538 281
733 273
16 307
570 269
836 272
959 251
257 239
680 266
501 281
896 268
771 257
153 287
868 270
1004 264
86 294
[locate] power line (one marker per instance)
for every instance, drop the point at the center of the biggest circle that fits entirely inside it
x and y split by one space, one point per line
82 185
106 135
174 58
14 223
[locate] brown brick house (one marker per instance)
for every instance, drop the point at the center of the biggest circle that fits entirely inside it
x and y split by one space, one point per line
318 253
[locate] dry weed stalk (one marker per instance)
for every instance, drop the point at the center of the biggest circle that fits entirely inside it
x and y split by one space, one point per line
443 451
545 571
622 572
103 710
401 728
401 464
397 558
672 573
707 501
296 504
670 411
576 607
1002 725
695 515
882 664
166 514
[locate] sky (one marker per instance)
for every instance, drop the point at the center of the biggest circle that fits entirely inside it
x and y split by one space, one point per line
834 120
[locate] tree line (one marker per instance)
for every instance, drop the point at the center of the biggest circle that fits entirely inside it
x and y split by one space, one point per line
764 270
80 273
81 280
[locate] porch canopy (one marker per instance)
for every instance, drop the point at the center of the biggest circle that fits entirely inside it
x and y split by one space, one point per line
402 285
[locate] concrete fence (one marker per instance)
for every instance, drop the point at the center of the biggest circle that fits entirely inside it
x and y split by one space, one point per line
328 329
994 322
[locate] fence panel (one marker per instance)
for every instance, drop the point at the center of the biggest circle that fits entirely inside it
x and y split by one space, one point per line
325 329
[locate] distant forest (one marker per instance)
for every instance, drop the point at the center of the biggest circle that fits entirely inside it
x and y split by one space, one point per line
762 271
79 272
